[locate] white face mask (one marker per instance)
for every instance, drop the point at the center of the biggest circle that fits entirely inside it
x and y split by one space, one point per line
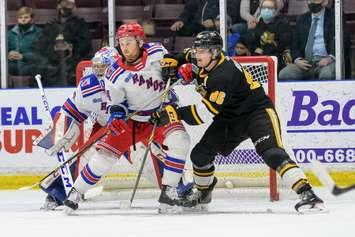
267 14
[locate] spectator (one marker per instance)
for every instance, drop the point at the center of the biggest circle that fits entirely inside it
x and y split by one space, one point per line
271 35
64 42
313 46
242 47
233 11
232 38
198 15
250 12
20 48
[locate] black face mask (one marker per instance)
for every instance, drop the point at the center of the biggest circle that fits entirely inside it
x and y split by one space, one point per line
24 27
315 7
66 12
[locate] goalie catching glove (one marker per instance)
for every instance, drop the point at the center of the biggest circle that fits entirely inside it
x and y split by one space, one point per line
169 114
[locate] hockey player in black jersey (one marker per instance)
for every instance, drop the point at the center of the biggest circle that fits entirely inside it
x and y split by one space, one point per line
241 110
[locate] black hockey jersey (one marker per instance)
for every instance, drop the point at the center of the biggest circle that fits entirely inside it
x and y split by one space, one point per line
228 92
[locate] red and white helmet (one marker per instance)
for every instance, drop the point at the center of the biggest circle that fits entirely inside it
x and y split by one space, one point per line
131 29
103 58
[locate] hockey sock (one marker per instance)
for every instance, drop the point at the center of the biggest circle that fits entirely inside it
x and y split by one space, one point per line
293 176
203 176
173 168
92 172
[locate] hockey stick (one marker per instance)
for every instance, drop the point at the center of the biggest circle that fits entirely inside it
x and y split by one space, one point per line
97 136
150 140
64 170
323 175
93 139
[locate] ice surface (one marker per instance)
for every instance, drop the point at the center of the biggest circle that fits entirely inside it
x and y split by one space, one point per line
230 216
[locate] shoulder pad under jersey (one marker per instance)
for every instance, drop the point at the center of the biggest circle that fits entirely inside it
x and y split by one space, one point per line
113 72
89 85
153 48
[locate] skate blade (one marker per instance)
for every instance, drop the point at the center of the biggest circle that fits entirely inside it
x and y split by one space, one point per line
197 208
69 211
167 209
312 209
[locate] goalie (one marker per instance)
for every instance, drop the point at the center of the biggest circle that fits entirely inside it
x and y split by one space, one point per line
241 109
87 100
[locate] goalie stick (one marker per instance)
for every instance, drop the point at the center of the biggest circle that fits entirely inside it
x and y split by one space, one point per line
97 136
64 170
323 175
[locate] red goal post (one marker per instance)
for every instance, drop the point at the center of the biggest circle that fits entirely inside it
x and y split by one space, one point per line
242 164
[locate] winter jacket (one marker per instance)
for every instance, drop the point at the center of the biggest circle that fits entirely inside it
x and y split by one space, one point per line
22 42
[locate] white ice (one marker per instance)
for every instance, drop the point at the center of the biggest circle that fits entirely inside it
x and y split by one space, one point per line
229 216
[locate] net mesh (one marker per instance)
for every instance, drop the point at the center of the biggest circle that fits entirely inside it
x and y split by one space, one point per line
243 167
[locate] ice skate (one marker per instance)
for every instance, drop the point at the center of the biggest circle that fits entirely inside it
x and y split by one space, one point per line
309 202
50 204
199 199
72 201
168 200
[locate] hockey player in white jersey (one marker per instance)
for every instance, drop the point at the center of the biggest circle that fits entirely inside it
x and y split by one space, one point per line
89 98
132 81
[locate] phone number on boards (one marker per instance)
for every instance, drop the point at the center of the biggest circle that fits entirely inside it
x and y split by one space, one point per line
329 155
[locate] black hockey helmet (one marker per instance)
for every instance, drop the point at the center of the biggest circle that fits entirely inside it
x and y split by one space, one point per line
208 39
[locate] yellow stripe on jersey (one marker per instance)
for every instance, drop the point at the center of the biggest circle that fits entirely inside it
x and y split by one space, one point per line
195 115
210 107
275 125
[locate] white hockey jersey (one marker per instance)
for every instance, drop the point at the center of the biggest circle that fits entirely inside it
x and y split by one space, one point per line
89 98
134 86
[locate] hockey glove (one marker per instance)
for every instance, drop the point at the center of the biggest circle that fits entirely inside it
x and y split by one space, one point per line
186 72
169 66
169 114
117 112
116 122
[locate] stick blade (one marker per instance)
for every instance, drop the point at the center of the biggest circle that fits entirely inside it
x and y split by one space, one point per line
27 187
322 174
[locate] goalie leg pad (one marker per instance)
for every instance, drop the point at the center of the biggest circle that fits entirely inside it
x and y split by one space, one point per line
92 172
177 143
54 186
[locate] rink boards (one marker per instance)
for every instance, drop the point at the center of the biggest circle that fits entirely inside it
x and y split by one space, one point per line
317 119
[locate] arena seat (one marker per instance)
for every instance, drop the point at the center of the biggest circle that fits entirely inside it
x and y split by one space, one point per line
167 11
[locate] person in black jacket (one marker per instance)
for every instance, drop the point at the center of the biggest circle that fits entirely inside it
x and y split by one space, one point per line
313 51
241 110
197 16
272 35
64 42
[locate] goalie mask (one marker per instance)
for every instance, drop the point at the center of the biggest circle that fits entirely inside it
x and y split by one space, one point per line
102 59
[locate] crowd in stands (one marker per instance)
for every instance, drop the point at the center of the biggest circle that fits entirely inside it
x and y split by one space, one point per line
305 47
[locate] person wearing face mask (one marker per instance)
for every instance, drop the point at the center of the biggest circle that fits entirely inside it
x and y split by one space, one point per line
250 14
271 35
313 45
64 42
20 48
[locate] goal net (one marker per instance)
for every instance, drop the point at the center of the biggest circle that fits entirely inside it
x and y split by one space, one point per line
242 168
